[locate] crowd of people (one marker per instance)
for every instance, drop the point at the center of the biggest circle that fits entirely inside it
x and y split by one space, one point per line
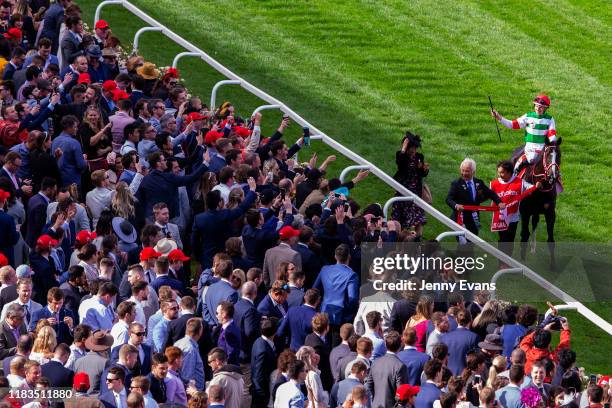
158 252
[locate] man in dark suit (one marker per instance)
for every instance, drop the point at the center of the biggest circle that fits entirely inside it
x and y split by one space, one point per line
24 348
37 210
8 279
116 395
218 292
401 312
54 370
311 264
296 287
229 333
11 328
411 357
61 319
8 231
159 370
460 342
263 362
210 227
128 356
275 303
247 318
468 190
341 350
142 366
429 391
318 341
298 322
71 40
387 373
162 266
73 289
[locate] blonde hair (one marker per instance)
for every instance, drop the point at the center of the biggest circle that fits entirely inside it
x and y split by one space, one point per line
305 354
269 166
423 311
123 201
94 126
498 365
236 196
45 341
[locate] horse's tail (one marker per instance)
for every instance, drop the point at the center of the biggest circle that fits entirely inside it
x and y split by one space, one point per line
533 239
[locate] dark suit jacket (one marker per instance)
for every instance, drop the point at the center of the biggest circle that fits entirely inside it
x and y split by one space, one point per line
414 361
459 193
229 340
62 329
8 236
323 349
460 342
37 218
166 280
158 389
7 295
217 293
127 382
296 296
311 264
247 318
297 325
44 277
387 373
401 312
267 308
58 375
108 399
427 395
8 342
335 356
141 367
72 297
263 362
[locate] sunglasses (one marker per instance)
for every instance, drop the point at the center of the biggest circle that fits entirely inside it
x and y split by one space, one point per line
139 334
110 380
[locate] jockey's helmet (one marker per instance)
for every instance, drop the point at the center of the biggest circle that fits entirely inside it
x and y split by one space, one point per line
542 100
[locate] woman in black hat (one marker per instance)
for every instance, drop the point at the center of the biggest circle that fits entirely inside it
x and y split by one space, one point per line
411 169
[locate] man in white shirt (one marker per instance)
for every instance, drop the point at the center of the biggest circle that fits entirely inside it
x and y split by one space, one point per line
289 394
77 348
441 326
120 331
16 378
24 298
140 294
226 183
116 396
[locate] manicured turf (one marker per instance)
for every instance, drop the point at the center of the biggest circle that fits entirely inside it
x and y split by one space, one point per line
365 71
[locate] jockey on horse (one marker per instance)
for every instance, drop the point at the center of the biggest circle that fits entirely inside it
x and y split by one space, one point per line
539 129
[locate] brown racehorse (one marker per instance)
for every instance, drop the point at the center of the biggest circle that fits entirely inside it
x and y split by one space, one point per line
541 201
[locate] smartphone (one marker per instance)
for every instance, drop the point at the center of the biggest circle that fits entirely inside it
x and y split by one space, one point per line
346 207
283 193
374 220
592 379
306 130
477 379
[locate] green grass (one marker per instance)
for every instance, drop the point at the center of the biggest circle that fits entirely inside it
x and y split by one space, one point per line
365 71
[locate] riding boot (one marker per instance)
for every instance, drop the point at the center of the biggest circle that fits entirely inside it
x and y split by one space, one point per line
521 166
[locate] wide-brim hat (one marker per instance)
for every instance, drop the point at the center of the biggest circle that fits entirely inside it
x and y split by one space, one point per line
148 71
99 341
125 230
165 246
492 342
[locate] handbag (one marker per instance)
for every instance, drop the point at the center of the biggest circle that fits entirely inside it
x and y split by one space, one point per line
426 194
97 164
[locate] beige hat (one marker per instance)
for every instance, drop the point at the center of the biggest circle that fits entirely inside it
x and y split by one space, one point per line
148 71
165 246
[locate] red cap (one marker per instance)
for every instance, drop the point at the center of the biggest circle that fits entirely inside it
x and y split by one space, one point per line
119 94
212 136
604 379
288 232
109 85
177 255
3 260
195 116
171 73
13 33
242 131
542 100
4 194
85 237
148 253
84 78
80 381
406 391
101 24
46 241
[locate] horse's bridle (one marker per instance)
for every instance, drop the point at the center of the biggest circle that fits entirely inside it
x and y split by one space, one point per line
551 170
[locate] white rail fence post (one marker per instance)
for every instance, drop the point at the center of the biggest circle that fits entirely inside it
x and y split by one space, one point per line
348 169
213 93
141 32
180 55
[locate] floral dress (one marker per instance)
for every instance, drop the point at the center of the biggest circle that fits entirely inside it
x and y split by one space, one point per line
410 175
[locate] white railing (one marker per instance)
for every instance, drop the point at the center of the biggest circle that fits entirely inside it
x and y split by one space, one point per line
318 134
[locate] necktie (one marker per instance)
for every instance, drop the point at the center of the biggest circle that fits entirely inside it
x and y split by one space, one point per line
472 189
281 309
165 231
27 313
16 334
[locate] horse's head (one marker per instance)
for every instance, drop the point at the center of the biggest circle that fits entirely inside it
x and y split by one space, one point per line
551 161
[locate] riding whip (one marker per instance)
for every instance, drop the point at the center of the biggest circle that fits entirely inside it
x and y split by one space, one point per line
495 120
